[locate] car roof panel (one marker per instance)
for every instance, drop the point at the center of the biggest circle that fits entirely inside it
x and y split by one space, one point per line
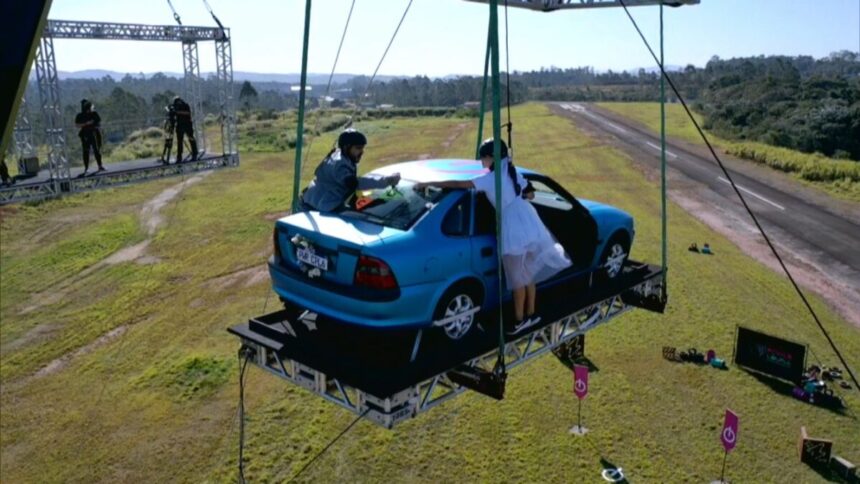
437 169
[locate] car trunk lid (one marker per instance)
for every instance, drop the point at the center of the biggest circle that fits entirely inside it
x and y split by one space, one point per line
324 246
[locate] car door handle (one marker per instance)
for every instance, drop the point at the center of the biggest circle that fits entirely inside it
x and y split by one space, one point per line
486 252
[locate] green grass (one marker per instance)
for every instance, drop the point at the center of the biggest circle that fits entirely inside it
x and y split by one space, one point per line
140 144
158 402
840 178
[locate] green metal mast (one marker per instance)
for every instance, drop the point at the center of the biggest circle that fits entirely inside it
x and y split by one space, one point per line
300 129
497 153
483 97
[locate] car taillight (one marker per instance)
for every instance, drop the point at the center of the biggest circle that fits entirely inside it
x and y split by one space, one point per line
374 273
277 245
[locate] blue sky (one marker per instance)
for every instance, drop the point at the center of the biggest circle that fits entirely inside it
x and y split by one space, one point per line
442 37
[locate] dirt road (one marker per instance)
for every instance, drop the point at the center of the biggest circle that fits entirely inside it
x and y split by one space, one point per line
818 236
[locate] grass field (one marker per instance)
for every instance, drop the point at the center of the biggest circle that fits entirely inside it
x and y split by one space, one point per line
155 400
840 178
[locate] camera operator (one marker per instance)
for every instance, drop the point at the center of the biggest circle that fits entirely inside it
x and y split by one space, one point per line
169 128
89 122
184 126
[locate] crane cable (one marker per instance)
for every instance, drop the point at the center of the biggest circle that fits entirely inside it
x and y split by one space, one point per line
351 117
175 15
378 65
331 442
741 197
215 18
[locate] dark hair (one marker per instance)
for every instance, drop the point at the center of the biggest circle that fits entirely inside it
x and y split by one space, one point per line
351 137
487 150
487 146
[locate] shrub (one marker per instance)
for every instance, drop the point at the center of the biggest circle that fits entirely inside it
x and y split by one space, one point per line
812 167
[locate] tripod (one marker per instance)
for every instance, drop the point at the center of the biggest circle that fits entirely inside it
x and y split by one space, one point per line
169 129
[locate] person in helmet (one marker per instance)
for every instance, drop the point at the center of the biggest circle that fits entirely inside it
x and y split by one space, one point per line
336 178
530 254
184 127
88 122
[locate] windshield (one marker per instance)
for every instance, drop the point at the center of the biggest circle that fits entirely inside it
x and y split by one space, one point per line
397 207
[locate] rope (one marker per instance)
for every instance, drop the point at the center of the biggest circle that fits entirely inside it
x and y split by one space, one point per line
339 47
378 65
175 15
743 201
366 92
242 366
212 13
332 442
402 18
482 109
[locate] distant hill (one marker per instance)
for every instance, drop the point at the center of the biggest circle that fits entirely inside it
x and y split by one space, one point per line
294 78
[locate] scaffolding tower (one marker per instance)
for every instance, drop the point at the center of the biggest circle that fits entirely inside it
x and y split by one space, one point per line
59 180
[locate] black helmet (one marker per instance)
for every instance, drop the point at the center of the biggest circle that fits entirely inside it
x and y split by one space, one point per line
85 104
351 137
487 149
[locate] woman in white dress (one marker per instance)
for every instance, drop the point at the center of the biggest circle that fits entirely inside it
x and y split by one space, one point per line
530 254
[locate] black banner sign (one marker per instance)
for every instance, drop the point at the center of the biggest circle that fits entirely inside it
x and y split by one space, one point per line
769 354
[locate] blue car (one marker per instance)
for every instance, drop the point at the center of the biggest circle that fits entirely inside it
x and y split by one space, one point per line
400 258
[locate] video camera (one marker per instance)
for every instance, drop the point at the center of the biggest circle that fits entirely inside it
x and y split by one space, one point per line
170 114
169 127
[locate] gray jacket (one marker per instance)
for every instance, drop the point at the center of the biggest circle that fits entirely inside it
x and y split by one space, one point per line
335 179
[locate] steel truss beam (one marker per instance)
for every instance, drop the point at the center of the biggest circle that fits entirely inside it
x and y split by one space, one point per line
421 397
224 72
191 65
25 192
127 177
50 103
23 133
552 5
71 29
52 111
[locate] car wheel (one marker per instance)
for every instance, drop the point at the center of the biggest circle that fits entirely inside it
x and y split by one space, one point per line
614 256
457 300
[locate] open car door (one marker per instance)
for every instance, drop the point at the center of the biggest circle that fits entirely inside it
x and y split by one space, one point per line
570 222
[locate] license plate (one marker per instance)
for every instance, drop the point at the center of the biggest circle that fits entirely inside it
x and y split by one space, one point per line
309 257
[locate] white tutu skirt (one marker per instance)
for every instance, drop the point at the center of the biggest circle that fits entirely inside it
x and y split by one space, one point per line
530 254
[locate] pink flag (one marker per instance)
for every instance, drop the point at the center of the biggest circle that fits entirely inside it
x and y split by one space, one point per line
729 436
580 381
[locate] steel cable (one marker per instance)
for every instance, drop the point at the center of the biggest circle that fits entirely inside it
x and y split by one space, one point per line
741 197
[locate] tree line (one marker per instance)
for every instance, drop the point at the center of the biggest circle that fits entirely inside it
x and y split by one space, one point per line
802 103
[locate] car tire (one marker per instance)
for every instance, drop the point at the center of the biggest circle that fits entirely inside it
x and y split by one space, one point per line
459 298
614 255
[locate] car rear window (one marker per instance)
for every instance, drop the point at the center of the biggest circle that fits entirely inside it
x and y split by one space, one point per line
397 207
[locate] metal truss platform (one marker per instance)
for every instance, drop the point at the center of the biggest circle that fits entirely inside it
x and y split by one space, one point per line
43 186
371 373
553 5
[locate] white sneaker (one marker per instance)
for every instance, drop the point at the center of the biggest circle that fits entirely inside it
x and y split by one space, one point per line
525 324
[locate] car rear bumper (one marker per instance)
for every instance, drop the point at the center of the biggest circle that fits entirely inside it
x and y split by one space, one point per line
410 307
